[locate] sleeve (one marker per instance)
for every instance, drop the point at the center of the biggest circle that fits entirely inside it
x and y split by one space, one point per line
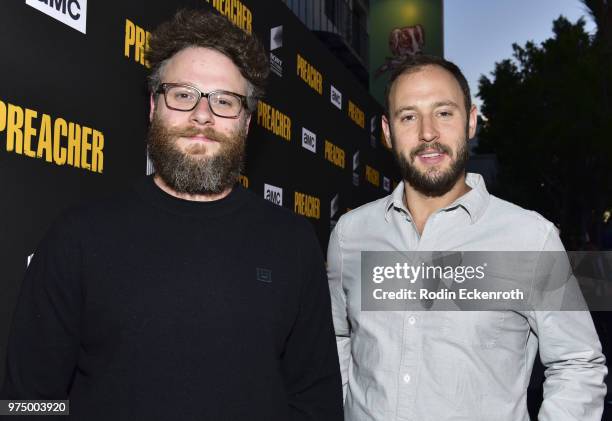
310 361
339 308
44 336
570 350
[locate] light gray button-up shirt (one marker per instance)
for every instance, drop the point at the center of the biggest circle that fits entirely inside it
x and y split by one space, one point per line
460 365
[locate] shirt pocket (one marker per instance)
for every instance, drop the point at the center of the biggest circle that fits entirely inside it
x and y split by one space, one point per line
480 329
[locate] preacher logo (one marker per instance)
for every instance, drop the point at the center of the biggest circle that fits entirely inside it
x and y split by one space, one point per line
38 135
386 184
29 259
372 175
309 74
334 154
306 205
70 12
236 12
335 97
355 160
136 41
309 140
273 120
356 114
244 180
273 194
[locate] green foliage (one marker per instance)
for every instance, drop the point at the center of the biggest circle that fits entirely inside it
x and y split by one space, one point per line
549 122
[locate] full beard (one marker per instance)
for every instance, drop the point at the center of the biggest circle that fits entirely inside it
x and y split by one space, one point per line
433 182
191 172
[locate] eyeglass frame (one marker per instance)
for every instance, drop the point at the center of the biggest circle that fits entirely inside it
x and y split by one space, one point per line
163 86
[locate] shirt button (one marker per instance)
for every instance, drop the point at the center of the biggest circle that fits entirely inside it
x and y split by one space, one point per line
411 320
406 378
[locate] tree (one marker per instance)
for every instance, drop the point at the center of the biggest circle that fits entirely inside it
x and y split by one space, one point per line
601 12
550 125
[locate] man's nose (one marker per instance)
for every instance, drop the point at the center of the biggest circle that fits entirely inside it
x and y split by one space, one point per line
428 130
202 114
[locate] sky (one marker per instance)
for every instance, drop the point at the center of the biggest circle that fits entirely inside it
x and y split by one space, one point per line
479 33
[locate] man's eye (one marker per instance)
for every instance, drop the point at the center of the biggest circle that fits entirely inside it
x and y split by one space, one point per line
225 101
445 114
408 117
184 96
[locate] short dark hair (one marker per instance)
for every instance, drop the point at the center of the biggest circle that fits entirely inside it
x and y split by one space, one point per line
200 28
413 63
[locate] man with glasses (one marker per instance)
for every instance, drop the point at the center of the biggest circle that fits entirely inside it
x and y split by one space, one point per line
171 301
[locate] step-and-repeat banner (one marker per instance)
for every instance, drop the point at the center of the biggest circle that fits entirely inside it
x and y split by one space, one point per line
74 116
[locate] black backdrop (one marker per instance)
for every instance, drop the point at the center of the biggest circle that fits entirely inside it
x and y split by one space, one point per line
57 82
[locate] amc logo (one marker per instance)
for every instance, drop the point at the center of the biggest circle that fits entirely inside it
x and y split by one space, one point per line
309 140
335 97
273 194
70 12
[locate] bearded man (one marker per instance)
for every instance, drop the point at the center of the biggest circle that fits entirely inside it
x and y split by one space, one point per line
171 301
450 365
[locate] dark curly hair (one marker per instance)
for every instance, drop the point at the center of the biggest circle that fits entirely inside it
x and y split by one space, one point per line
200 28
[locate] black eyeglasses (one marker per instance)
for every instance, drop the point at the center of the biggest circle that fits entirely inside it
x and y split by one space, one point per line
183 97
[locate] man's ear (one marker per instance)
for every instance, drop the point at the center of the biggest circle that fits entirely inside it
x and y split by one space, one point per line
248 123
472 121
386 131
151 107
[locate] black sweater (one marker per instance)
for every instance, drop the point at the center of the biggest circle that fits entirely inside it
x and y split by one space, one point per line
149 307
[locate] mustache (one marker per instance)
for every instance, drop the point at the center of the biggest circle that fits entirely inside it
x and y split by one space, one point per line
438 147
194 131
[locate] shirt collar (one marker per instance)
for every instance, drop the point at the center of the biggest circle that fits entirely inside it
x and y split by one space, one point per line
474 202
395 201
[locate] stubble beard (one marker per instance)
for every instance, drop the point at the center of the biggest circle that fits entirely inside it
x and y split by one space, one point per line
191 171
